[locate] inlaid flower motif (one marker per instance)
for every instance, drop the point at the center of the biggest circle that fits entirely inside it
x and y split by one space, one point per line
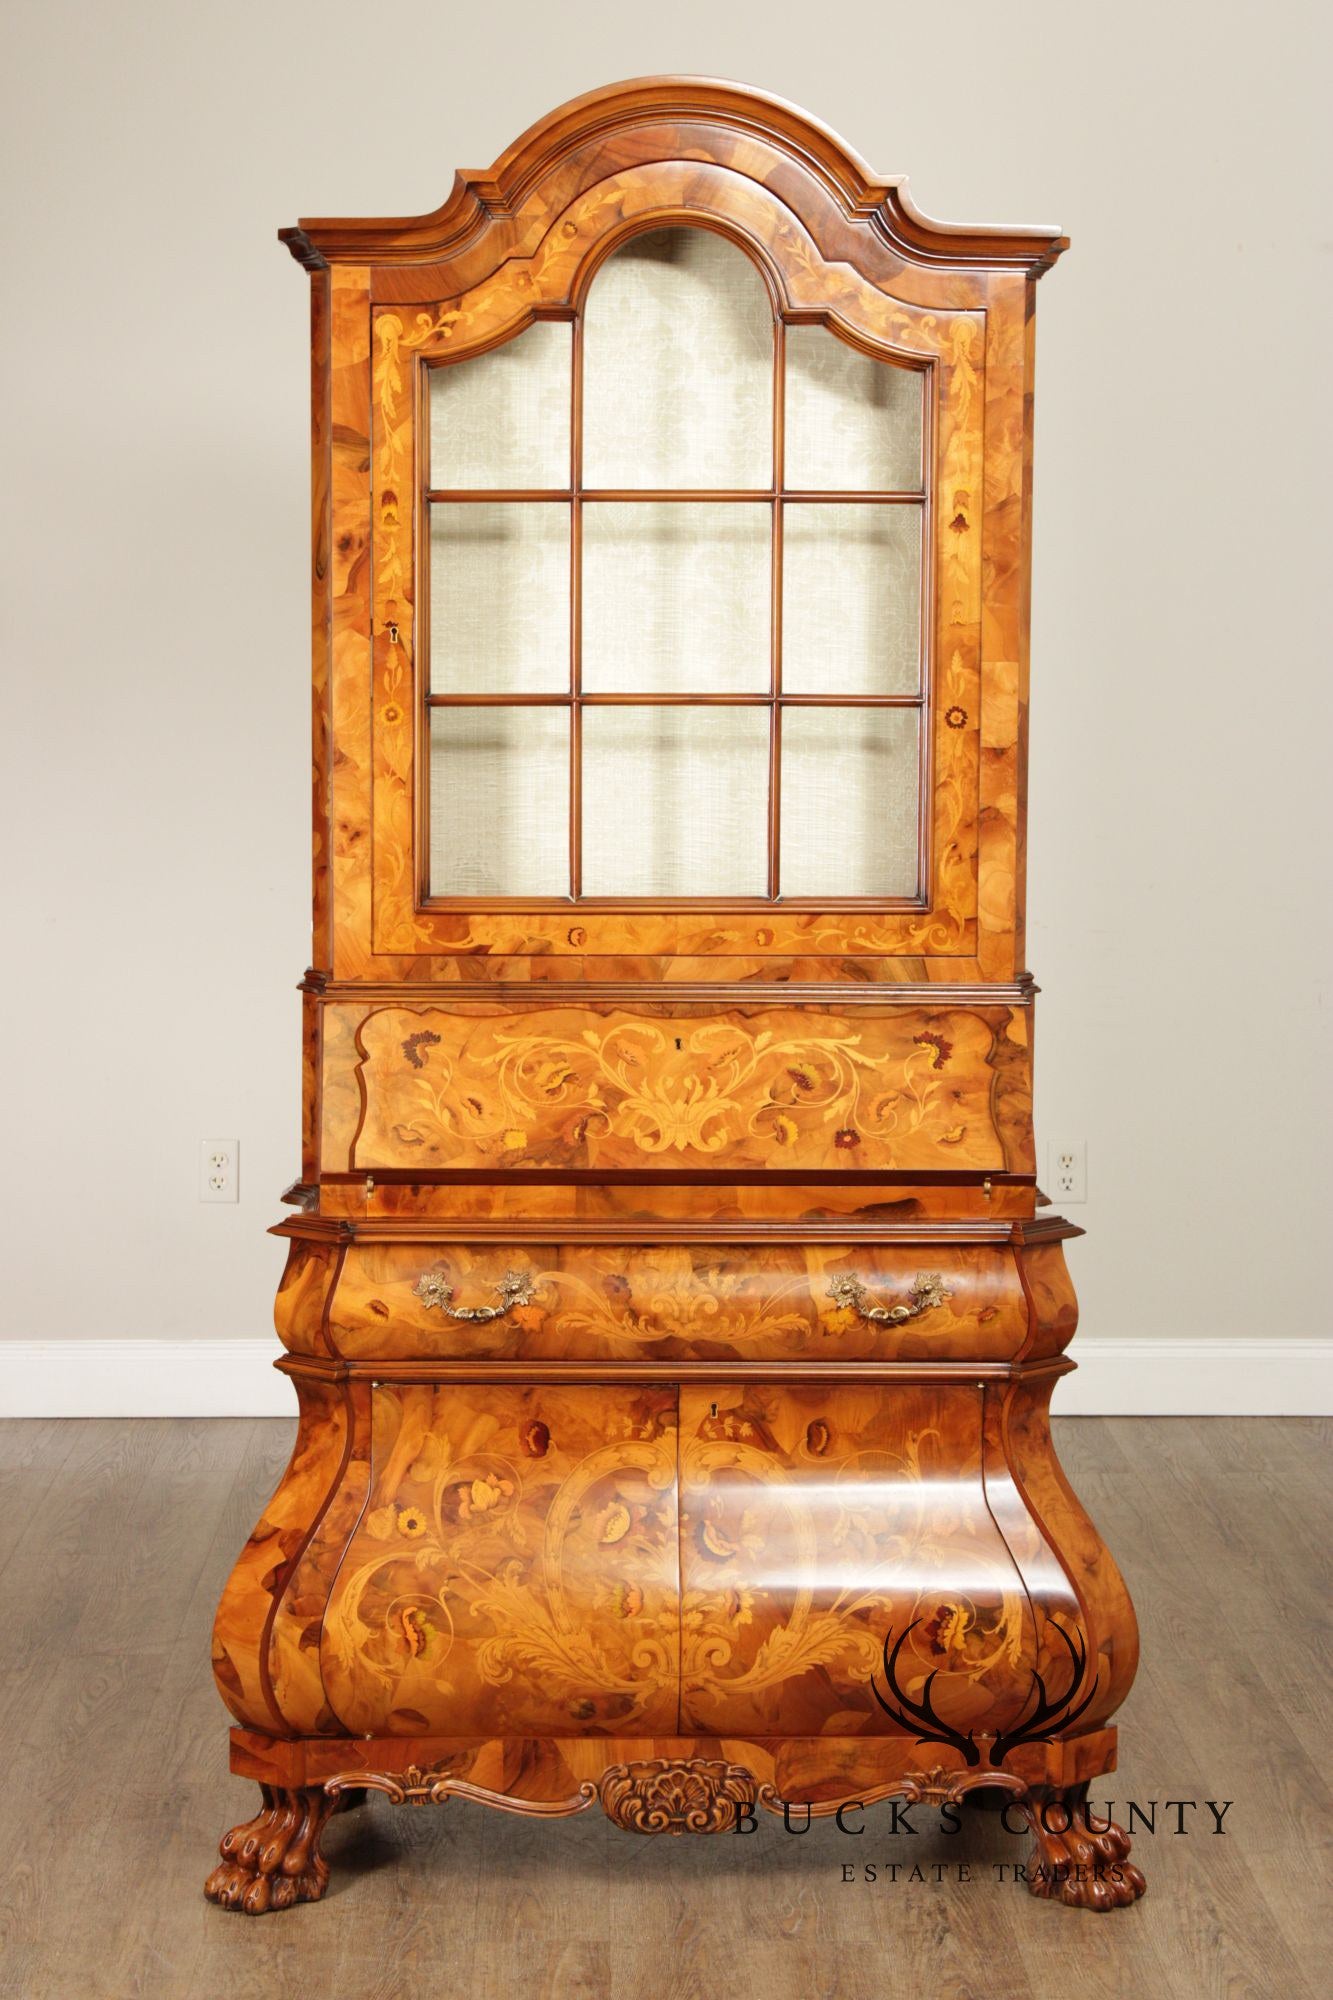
713 1543
626 1600
845 1137
615 1523
943 1049
417 1630
955 717
482 1495
944 1628
535 1438
411 1521
818 1437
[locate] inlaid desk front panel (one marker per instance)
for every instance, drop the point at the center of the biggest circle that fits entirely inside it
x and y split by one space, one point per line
423 1089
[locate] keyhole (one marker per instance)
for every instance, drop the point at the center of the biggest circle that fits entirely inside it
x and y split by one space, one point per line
679 1043
712 1409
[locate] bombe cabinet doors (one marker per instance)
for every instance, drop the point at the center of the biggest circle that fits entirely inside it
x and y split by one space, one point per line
826 1529
514 1571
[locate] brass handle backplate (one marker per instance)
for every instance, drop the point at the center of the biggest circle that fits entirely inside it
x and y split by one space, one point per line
928 1290
515 1289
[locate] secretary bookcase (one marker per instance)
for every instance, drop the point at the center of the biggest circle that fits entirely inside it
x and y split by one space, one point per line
670 1304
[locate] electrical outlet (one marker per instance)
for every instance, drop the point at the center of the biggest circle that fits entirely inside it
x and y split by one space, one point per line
1069 1171
219 1170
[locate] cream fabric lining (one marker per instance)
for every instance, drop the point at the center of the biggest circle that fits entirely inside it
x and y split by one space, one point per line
851 599
499 801
678 366
850 422
503 418
676 598
675 801
849 802
499 597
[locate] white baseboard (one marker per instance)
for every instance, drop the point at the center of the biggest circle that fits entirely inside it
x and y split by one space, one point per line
1198 1378
143 1378
236 1378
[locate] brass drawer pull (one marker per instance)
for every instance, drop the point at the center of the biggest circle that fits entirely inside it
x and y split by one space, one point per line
928 1290
514 1288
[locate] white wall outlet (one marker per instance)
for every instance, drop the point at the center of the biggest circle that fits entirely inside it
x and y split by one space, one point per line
219 1170
1068 1179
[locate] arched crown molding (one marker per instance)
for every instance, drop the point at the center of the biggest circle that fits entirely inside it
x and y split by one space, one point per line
790 136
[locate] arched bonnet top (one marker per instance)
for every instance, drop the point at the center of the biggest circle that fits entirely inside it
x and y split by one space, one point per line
699 118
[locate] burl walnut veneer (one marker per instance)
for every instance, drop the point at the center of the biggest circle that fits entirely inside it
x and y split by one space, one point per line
670 1314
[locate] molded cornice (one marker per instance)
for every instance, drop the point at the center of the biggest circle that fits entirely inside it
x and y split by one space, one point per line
786 134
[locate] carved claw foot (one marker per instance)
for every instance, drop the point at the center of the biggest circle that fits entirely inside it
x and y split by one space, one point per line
273 1860
1080 1859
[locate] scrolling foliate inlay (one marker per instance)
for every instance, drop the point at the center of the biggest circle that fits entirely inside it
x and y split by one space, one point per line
778 1089
852 1485
515 1566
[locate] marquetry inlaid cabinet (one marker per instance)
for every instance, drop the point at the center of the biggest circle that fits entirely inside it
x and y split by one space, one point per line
667 1300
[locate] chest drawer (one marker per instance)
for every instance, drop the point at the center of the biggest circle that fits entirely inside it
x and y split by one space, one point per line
665 1302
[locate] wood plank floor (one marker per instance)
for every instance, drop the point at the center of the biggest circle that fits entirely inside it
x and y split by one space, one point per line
115 1539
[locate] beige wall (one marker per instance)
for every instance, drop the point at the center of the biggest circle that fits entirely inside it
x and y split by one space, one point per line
155 610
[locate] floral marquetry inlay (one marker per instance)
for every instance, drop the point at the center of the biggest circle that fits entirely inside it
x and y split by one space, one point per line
563 1087
516 1565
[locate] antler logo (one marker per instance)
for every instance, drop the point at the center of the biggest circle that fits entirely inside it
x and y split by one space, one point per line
1039 1726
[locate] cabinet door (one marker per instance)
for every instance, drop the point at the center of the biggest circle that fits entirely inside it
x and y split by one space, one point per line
817 1522
677 648
515 1571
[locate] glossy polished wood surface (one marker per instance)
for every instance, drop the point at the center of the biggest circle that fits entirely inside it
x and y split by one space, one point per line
671 1319
676 1301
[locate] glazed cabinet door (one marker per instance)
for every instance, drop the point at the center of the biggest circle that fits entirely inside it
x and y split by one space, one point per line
676 649
515 1570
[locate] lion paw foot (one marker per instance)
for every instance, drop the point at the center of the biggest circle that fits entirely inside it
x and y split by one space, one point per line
1081 1860
273 1860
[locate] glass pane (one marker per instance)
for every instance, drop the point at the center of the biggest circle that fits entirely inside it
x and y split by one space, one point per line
849 801
678 366
675 801
676 598
502 418
851 600
499 802
499 597
850 422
